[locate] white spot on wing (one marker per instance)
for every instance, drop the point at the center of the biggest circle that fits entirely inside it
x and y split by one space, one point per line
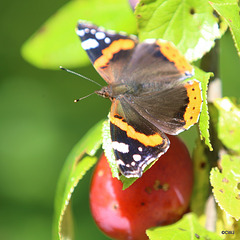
120 147
137 157
140 149
120 162
100 35
86 30
89 43
107 40
150 40
93 31
80 32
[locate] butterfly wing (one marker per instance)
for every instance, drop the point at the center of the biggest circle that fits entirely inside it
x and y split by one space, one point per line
160 95
148 94
156 62
172 110
135 141
109 52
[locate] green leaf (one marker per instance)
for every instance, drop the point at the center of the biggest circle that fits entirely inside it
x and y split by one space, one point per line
203 77
189 24
226 185
228 126
56 42
186 228
228 223
229 11
107 147
201 178
79 161
127 182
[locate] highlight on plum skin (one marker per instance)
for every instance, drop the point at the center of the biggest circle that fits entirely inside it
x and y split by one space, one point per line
160 197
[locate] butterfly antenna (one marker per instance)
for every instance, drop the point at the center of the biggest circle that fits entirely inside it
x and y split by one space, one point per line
78 74
77 100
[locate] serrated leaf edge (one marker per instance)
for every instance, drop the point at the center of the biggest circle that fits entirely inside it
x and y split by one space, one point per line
213 191
66 203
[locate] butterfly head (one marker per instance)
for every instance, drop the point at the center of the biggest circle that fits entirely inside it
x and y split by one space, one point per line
105 92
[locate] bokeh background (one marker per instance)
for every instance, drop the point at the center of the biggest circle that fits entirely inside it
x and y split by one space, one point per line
39 125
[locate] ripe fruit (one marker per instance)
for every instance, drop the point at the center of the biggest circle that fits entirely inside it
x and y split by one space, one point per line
161 196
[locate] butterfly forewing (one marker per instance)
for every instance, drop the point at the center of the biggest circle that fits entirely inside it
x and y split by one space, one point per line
108 51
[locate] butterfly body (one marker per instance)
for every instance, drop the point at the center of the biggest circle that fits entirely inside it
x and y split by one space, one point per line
149 95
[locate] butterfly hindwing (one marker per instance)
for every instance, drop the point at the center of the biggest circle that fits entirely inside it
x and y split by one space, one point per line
172 109
135 141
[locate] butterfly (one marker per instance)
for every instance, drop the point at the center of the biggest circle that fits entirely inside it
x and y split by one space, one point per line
150 97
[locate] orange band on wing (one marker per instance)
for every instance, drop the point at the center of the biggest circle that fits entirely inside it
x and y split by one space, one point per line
147 140
194 106
115 47
173 55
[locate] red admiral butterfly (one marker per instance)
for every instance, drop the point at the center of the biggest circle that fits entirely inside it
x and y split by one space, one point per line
148 94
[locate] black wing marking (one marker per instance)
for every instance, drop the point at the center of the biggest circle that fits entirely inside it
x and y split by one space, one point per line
108 51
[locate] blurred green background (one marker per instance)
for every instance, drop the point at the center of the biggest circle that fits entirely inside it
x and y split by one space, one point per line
40 124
